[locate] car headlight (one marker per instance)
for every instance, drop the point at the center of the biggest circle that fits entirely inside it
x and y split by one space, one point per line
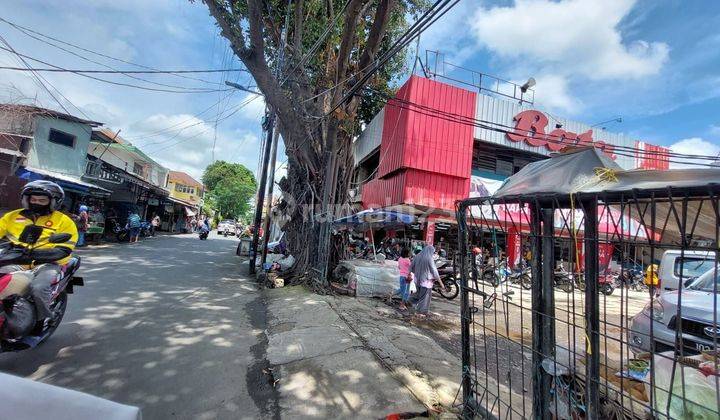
655 310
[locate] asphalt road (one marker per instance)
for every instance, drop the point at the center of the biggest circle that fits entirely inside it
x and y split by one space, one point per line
169 324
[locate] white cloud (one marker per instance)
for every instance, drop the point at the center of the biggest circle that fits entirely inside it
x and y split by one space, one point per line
255 108
715 129
552 92
187 143
134 34
574 37
693 146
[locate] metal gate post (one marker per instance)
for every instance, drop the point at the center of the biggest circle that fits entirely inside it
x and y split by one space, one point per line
467 387
592 310
543 323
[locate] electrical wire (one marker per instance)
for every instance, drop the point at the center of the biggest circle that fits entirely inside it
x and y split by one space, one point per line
19 27
435 12
461 119
113 82
92 71
116 71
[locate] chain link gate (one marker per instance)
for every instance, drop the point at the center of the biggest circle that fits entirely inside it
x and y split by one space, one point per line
590 338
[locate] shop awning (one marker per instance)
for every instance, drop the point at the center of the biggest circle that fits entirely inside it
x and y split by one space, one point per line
374 219
68 182
190 208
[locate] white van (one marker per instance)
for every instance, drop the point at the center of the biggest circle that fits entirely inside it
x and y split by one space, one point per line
691 264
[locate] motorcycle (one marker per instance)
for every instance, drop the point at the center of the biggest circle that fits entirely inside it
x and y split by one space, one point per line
522 276
20 328
203 235
449 278
564 280
606 284
122 234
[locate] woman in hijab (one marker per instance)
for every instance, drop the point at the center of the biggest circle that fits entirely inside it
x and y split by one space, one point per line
425 273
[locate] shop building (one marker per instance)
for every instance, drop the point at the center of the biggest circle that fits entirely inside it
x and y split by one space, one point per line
45 144
135 180
186 194
441 140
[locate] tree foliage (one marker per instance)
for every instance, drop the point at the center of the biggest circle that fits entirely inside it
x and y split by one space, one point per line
306 89
231 187
220 169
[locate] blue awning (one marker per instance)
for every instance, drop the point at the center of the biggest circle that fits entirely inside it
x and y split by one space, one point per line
375 219
67 182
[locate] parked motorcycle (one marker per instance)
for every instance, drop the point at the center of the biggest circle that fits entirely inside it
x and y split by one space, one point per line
20 328
203 235
447 273
563 280
606 284
122 233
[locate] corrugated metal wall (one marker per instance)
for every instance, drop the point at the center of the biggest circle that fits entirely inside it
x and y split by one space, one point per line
370 138
424 160
501 111
418 141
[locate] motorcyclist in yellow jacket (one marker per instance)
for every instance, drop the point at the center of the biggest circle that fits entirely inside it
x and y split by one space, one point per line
41 201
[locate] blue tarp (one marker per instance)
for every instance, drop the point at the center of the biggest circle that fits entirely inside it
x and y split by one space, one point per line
374 219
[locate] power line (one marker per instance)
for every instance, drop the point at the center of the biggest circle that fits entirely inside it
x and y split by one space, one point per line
82 57
461 119
92 71
428 18
113 82
23 28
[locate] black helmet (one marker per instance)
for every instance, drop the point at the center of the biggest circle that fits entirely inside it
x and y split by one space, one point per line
46 188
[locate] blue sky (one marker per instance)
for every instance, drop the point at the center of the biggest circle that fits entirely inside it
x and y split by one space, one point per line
655 63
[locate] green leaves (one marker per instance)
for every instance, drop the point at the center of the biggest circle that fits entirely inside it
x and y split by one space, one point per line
231 187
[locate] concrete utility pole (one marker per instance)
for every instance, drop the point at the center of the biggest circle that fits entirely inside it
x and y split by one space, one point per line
271 187
261 192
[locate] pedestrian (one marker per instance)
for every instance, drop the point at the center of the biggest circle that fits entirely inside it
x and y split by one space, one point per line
404 278
425 274
194 224
155 223
83 221
133 224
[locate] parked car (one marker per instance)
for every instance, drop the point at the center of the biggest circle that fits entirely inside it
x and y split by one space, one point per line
696 321
690 264
226 227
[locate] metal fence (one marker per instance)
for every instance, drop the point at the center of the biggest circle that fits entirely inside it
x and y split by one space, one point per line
564 314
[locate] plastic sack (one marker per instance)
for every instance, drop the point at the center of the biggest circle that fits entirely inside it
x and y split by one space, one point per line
700 399
413 287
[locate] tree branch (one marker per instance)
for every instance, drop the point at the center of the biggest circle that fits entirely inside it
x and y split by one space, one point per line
348 38
255 19
299 26
377 31
229 27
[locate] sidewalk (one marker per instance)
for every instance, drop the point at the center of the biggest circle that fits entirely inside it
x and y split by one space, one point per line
343 357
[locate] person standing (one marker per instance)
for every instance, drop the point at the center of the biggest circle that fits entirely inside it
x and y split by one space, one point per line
82 225
404 278
194 224
425 274
155 223
133 224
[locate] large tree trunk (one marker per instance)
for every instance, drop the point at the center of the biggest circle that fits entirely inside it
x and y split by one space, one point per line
318 142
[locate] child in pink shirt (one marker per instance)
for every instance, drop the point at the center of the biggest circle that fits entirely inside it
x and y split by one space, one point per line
404 280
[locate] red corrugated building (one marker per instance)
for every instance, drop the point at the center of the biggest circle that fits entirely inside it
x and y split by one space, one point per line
437 143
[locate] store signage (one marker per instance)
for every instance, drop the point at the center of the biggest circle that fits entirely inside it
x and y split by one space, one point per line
530 127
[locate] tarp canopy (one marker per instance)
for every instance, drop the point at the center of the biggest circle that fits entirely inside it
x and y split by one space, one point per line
587 170
374 219
580 171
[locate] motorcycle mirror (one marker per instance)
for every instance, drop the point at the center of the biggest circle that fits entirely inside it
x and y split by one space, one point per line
59 238
31 234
